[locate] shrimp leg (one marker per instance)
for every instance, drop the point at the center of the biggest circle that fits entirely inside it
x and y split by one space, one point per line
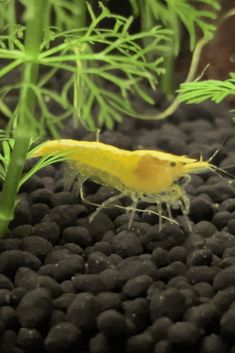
132 210
104 204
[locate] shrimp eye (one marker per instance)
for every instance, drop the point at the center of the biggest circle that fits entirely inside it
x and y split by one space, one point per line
172 164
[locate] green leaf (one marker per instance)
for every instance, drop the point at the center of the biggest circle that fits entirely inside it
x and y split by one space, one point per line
215 90
169 12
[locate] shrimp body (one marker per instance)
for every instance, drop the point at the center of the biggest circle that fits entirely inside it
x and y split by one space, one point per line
147 175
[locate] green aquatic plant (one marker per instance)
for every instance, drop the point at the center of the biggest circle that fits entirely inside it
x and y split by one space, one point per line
200 91
100 67
173 14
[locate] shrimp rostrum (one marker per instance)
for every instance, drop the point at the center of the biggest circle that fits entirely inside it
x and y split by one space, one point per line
142 175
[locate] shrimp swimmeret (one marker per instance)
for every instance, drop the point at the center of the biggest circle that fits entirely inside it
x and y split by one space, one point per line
142 175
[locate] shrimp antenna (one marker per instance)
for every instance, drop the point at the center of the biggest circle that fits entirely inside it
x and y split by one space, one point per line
217 150
214 169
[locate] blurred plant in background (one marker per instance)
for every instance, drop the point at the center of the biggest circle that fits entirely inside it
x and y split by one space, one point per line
174 14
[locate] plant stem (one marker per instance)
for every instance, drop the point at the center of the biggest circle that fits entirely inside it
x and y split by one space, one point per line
190 77
166 80
26 107
81 17
166 83
12 23
147 22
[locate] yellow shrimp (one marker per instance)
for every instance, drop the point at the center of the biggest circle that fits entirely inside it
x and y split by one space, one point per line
142 175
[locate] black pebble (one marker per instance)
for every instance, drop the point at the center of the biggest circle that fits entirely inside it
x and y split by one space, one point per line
194 241
227 323
108 300
204 273
229 252
92 283
112 279
8 340
205 228
47 230
9 244
35 308
74 249
169 303
29 280
104 247
162 346
200 257
33 183
30 340
100 344
41 196
231 226
78 235
137 286
16 295
178 253
179 282
204 289
213 344
56 255
159 328
63 302
37 246
62 338
5 283
160 257
221 219
141 343
57 316
134 266
98 262
11 260
127 244
21 231
224 298
111 323
83 311
137 312
22 213
67 286
100 225
176 268
228 205
200 209
220 241
62 198
203 315
38 211
190 297
8 317
66 268
225 278
184 333
63 216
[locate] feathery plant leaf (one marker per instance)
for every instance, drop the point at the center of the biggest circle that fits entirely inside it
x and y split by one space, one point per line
118 63
7 145
215 90
170 12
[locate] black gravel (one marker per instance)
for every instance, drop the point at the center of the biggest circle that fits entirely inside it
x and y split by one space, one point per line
68 286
